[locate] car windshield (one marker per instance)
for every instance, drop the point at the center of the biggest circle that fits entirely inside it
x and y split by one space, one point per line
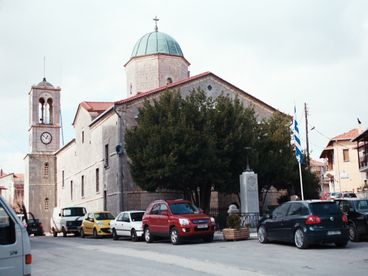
362 205
136 216
324 208
183 208
74 212
103 216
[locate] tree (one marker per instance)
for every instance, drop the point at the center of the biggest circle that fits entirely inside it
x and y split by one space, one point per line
192 144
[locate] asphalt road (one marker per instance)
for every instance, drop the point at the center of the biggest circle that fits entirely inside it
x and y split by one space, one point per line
76 256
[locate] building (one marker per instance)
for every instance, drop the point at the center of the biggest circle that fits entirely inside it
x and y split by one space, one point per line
44 141
362 147
11 188
319 168
342 163
92 170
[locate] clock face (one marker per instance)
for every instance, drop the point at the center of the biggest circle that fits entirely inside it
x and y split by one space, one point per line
46 137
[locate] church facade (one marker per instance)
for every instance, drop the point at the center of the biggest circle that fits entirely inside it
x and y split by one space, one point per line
92 170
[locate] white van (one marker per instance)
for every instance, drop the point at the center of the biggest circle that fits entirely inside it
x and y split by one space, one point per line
15 248
67 220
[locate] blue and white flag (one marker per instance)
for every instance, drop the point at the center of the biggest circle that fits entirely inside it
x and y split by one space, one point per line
297 142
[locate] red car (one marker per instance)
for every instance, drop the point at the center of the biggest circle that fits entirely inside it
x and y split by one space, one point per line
176 219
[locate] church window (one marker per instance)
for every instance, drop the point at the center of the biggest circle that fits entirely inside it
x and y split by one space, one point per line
106 155
209 87
131 89
97 180
169 80
82 186
46 169
62 179
41 110
46 203
71 190
82 136
49 112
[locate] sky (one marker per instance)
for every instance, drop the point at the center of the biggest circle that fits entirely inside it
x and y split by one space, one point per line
283 52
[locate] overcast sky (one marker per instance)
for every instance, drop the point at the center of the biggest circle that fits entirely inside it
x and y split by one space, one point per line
282 52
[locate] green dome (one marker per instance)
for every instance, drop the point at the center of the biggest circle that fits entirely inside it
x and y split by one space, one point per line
156 43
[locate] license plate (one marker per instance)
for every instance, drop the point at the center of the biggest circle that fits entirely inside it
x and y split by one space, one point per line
201 226
331 233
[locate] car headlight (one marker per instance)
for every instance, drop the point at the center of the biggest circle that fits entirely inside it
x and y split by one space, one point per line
212 220
183 221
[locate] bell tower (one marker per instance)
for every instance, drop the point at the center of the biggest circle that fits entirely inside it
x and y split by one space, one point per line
44 141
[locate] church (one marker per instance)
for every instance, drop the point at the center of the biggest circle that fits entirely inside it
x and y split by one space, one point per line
92 170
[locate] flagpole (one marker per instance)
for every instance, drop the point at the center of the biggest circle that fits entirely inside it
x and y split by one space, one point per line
301 180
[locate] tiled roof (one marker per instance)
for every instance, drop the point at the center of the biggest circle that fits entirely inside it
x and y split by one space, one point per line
347 135
96 106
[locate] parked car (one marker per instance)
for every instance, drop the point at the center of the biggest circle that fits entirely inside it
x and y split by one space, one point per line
176 219
357 213
96 224
127 224
334 195
304 223
34 226
348 195
67 220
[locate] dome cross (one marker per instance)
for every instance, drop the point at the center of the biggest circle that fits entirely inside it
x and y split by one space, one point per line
156 19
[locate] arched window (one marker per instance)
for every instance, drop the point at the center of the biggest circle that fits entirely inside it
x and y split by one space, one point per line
49 111
41 110
168 81
46 169
46 203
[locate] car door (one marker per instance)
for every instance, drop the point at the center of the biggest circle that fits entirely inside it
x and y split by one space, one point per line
126 225
119 224
89 224
275 226
163 220
296 215
153 218
11 250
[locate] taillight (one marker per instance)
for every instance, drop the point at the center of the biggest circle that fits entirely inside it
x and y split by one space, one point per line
344 218
312 220
28 259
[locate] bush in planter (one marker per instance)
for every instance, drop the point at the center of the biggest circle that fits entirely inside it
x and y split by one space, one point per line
233 221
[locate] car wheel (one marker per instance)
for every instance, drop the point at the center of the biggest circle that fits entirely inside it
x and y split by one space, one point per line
353 233
341 244
174 236
133 235
64 232
300 239
147 235
95 235
82 235
262 234
54 233
114 235
208 238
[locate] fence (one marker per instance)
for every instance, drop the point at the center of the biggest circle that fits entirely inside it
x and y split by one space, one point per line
220 215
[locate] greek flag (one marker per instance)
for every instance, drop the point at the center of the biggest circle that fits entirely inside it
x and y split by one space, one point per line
297 143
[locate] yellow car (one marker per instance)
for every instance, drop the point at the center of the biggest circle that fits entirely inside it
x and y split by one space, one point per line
96 224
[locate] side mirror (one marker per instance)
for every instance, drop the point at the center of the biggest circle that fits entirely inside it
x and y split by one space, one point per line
164 213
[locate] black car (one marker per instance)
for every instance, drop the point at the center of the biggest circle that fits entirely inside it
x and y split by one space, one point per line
34 226
304 223
357 213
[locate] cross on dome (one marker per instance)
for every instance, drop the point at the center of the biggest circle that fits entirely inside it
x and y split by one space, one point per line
156 20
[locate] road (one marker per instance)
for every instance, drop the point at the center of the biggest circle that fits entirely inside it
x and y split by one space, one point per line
77 256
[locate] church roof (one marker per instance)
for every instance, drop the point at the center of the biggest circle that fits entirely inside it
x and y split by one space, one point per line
45 83
93 108
156 43
190 79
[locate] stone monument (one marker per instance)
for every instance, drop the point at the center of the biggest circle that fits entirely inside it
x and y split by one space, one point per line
249 202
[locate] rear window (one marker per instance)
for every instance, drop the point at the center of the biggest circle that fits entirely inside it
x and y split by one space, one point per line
324 208
136 216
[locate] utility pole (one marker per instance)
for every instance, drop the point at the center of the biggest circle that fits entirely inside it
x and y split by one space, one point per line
306 133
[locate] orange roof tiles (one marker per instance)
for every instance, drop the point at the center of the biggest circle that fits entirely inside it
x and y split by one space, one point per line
96 106
347 135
